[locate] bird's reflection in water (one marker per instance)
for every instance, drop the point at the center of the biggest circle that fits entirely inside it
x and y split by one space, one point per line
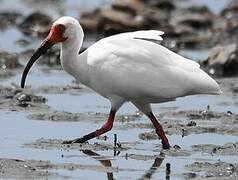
157 163
107 163
104 162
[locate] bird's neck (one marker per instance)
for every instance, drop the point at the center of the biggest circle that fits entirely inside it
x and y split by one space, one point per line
72 62
69 52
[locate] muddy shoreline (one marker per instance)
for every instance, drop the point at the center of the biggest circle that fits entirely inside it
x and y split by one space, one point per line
175 122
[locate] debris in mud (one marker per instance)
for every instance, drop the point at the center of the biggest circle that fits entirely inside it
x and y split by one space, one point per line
8 19
221 170
58 144
26 169
227 149
36 24
15 99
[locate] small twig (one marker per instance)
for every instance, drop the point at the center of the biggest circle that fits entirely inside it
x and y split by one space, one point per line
115 140
168 170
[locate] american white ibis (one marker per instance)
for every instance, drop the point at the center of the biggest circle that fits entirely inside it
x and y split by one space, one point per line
126 67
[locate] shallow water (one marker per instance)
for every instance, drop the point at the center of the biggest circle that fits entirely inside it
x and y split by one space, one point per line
16 129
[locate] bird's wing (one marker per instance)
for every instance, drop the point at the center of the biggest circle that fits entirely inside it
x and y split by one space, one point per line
146 35
135 68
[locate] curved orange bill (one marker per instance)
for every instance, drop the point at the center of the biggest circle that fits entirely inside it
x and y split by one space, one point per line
41 50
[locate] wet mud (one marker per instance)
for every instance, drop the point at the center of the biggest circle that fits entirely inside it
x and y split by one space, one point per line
219 170
175 122
31 169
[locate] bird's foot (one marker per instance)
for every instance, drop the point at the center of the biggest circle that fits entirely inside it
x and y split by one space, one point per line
78 140
165 145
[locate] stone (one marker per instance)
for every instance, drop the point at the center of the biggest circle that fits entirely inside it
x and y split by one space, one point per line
114 21
128 6
231 9
223 60
89 21
36 24
194 20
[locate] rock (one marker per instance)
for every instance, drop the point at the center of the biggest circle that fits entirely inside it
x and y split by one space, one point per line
151 18
89 21
231 9
128 6
114 21
36 24
199 9
166 5
194 20
192 27
16 99
232 25
124 16
26 97
8 92
8 61
223 60
228 24
8 19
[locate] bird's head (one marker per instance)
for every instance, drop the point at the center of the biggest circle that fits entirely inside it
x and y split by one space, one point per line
62 31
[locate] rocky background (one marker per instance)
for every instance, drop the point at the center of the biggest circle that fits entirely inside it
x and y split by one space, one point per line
195 27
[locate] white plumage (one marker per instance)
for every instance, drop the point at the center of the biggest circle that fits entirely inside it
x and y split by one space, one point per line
126 67
130 68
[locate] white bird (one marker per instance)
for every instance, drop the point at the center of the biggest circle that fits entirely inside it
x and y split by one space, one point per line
126 67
